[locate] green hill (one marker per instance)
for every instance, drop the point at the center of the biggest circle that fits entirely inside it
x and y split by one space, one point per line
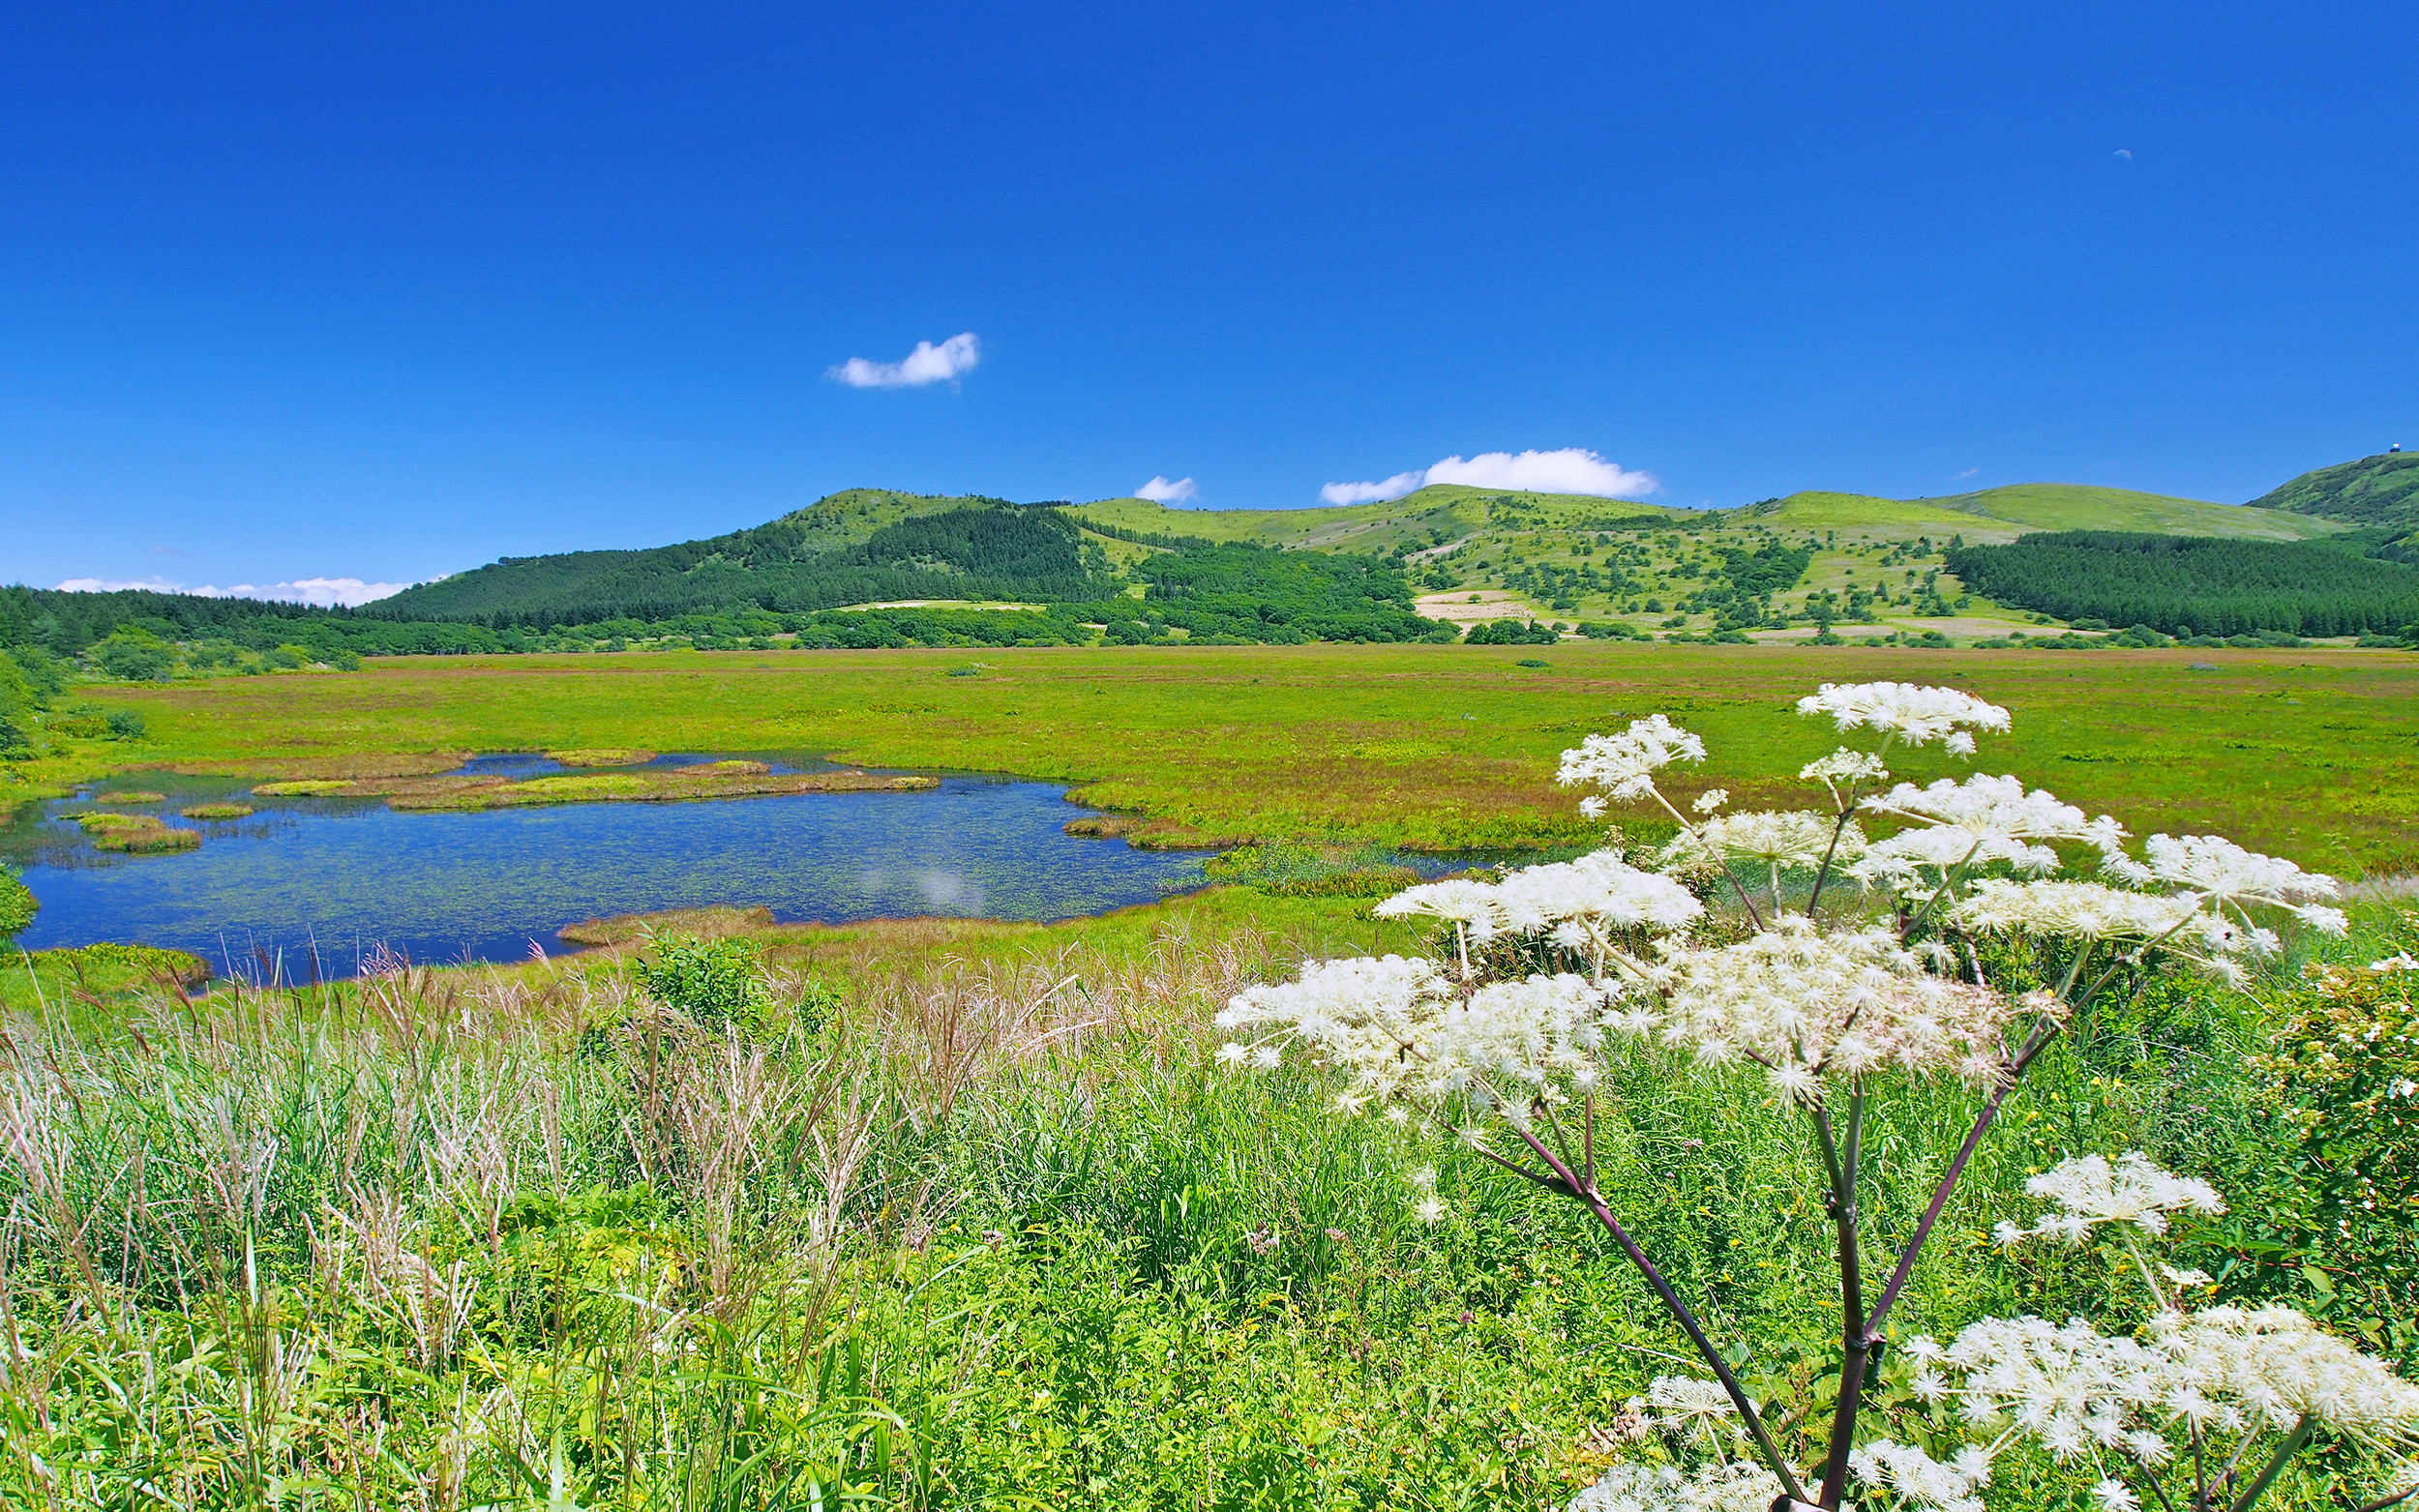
1816 510
2010 511
1429 516
2374 491
2072 506
864 546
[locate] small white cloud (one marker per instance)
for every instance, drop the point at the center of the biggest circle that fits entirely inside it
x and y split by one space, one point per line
1969 472
324 592
947 363
1393 488
1570 470
1163 490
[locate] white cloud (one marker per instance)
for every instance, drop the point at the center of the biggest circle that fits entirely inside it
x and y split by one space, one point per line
1165 492
1393 488
1569 470
1969 472
948 362
325 592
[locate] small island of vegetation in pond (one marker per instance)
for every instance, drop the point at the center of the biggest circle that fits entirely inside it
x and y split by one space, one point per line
461 792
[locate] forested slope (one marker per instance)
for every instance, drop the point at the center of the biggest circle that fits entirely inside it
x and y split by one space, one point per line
799 563
2187 585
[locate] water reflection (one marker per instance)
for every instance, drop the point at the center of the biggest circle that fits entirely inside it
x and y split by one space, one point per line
346 875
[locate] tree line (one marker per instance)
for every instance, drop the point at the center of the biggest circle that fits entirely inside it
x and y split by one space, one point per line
2193 585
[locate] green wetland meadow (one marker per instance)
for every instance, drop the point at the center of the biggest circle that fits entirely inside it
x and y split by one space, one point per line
1156 1210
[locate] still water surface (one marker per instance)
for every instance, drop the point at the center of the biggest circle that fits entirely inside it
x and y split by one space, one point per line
351 874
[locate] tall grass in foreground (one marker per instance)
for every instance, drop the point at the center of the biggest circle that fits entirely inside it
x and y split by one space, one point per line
960 1235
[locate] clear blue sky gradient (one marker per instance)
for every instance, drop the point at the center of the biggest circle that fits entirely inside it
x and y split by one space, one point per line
389 292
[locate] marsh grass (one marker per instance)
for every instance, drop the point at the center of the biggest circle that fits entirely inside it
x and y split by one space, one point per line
1414 746
993 1233
135 834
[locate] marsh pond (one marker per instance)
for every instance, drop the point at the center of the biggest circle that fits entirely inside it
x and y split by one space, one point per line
484 861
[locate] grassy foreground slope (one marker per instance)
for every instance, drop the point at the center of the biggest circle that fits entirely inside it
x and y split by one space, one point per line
2307 754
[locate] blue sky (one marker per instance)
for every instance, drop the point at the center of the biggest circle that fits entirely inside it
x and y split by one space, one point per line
387 292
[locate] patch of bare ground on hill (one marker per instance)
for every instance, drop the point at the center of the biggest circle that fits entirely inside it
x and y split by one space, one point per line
2312 754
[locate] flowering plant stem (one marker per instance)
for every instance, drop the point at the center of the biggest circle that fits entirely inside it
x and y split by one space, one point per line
1572 1184
1856 1337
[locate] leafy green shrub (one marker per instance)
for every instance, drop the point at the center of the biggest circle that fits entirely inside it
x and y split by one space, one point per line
124 725
2337 1203
714 982
133 658
17 905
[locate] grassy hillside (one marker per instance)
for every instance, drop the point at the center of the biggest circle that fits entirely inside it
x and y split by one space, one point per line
2375 492
1815 510
2070 506
859 547
1430 517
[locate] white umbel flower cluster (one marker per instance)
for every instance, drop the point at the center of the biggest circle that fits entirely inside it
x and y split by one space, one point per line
1982 821
1907 712
1918 1478
1699 1411
1356 1012
1598 888
2084 1395
2090 911
1626 763
2091 1190
1718 1486
2226 875
1806 1004
1793 840
1405 1037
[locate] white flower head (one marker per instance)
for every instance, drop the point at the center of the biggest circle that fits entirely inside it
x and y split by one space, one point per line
2225 874
1982 821
1709 800
1716 1486
1915 715
1598 889
2090 1190
1808 1004
1473 905
1626 763
1792 839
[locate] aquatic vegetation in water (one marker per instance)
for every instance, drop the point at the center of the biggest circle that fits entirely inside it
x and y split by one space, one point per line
471 791
218 811
702 923
137 834
128 796
601 757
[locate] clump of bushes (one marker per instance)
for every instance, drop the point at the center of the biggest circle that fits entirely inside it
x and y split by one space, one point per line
1511 632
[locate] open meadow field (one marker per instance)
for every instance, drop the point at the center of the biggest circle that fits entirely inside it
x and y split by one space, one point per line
2312 753
932 1214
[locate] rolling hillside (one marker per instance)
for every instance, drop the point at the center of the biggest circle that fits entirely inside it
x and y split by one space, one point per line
1428 518
863 546
2378 492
